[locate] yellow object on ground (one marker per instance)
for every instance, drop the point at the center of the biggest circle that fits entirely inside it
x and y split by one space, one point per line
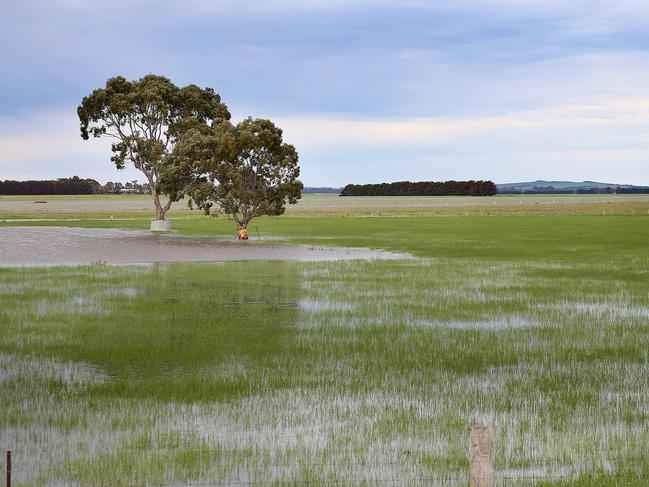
242 234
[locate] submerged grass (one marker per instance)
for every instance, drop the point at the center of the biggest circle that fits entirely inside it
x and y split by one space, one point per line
344 372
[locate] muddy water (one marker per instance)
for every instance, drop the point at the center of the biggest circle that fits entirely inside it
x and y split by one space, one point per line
30 246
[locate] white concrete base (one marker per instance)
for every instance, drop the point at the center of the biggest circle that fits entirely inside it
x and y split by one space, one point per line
160 225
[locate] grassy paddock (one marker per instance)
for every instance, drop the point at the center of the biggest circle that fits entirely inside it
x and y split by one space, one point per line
140 206
338 372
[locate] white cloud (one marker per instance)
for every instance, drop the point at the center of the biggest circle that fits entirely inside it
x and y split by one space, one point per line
48 145
600 139
603 138
613 115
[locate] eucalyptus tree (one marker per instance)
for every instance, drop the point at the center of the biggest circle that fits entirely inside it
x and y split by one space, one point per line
147 118
244 171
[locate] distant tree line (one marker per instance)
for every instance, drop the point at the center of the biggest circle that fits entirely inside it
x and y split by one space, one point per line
634 190
422 188
131 187
73 185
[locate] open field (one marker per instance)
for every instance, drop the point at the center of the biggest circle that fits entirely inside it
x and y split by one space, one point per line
325 373
320 205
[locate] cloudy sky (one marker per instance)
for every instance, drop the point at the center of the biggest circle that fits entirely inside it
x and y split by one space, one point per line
368 91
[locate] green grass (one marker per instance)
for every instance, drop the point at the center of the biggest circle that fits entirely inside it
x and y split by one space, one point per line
343 371
558 238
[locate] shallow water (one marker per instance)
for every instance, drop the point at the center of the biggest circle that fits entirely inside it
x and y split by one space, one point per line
493 324
35 246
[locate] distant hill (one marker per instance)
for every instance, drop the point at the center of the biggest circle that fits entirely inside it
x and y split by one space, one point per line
567 187
323 189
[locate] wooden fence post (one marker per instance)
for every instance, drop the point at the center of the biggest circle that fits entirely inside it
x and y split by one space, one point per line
481 453
9 468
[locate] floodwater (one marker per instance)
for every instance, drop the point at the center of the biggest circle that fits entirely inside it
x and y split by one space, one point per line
35 246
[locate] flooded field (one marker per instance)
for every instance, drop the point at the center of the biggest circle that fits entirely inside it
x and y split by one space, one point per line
28 246
343 372
346 372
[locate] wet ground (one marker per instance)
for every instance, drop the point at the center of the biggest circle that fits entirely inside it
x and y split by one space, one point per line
30 246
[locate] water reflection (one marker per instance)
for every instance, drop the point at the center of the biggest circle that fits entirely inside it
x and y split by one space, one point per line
28 246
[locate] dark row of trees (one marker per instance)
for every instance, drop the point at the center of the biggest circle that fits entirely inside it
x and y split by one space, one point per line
131 187
73 185
634 190
422 188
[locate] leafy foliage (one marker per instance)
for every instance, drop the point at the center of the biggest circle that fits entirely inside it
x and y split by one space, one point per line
247 170
147 118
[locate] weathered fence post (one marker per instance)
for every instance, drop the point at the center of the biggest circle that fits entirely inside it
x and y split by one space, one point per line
481 454
9 468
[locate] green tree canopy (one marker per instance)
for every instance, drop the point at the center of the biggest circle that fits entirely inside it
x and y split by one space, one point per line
147 118
245 170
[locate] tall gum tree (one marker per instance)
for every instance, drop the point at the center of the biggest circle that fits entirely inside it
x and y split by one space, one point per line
147 118
245 171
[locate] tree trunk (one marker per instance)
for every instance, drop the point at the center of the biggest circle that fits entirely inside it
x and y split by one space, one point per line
242 231
159 210
160 224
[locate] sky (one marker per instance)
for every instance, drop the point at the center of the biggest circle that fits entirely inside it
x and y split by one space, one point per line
367 91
